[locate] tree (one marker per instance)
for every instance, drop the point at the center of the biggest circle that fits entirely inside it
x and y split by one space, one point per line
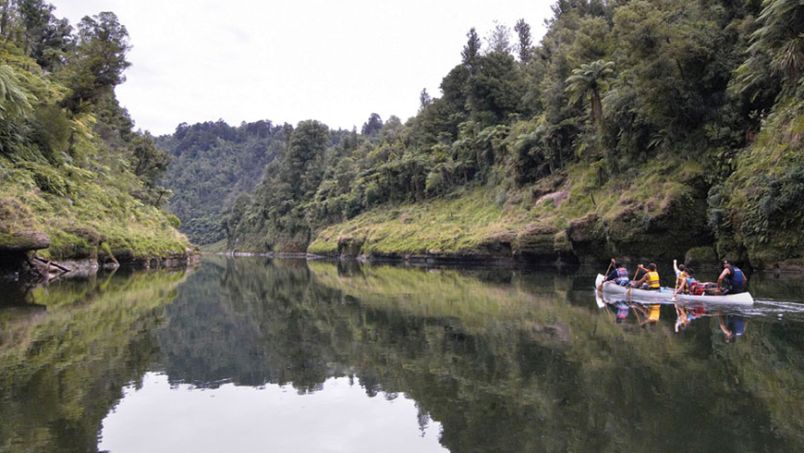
45 38
590 78
525 45
499 39
305 150
424 99
471 51
149 163
496 89
99 59
778 45
372 126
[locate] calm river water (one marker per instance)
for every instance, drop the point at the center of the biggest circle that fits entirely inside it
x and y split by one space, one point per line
252 355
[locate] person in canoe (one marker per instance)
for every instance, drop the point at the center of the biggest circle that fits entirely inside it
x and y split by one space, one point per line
650 278
619 274
732 280
685 279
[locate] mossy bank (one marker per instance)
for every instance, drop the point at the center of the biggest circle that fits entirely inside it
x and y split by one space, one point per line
77 184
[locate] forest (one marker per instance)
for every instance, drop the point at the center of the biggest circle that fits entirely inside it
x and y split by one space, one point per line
214 166
640 128
76 179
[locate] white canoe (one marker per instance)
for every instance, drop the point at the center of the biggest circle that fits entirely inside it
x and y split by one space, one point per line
665 295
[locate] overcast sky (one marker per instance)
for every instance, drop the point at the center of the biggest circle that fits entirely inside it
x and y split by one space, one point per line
291 60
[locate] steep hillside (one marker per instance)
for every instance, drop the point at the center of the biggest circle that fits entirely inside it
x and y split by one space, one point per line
212 164
76 181
649 129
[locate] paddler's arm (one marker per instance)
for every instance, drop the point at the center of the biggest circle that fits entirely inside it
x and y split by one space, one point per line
675 267
723 275
644 276
679 284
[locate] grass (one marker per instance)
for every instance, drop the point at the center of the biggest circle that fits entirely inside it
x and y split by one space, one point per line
90 207
83 196
468 219
445 225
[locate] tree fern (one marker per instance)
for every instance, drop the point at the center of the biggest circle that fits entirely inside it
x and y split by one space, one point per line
14 101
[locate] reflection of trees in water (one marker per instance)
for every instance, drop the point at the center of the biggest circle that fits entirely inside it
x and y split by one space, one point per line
251 324
66 367
503 362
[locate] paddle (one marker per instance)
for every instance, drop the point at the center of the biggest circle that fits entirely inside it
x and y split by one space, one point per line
606 275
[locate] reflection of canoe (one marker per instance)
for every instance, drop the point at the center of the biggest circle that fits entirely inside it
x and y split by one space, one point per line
611 289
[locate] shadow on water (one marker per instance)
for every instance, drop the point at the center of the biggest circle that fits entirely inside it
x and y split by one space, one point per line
505 360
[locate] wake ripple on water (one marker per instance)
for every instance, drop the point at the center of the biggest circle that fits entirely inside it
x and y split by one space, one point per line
776 309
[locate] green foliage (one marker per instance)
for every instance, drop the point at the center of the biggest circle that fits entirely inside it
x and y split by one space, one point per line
14 101
762 198
590 78
80 175
99 59
776 53
668 132
211 166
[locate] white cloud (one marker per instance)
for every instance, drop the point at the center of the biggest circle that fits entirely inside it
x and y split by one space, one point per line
292 60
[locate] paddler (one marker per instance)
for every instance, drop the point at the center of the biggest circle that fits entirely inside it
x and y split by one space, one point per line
732 280
619 274
685 279
650 280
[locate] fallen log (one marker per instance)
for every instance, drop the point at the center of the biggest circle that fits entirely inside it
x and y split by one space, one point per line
50 263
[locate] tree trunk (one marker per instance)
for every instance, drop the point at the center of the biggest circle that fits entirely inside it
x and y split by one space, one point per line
597 108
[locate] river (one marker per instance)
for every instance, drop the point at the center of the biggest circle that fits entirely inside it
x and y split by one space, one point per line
249 354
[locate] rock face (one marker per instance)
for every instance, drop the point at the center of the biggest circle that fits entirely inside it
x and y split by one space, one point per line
349 247
14 251
701 257
23 242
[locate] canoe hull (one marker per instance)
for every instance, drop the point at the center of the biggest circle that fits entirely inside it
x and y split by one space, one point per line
665 295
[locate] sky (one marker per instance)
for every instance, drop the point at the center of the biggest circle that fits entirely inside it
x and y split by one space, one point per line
292 60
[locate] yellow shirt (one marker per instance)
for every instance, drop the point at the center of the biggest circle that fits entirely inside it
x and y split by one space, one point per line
653 280
655 311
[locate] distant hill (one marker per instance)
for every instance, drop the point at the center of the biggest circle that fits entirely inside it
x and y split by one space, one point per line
212 164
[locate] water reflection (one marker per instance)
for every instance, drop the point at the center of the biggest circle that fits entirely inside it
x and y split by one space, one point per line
66 351
498 360
340 417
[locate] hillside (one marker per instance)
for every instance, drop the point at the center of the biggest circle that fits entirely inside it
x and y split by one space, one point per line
76 181
648 129
212 164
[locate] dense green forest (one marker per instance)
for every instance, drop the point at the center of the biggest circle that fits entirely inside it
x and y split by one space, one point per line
74 173
213 165
643 128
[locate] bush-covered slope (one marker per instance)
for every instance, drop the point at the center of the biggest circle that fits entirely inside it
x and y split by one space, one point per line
212 164
646 128
73 172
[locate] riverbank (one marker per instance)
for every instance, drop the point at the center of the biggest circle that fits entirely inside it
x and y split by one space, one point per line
570 220
26 256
